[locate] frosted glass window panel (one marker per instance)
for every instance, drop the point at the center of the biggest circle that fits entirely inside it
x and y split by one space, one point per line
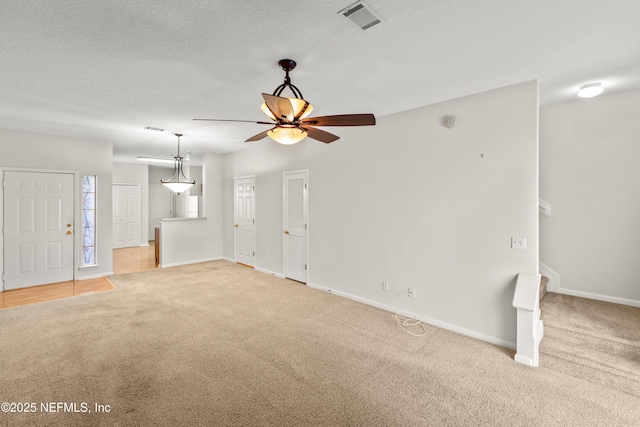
88 255
88 200
88 237
88 220
88 184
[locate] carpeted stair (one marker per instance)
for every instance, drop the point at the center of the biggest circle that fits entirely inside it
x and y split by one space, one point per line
593 340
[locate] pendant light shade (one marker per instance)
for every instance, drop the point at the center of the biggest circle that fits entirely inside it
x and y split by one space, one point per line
178 181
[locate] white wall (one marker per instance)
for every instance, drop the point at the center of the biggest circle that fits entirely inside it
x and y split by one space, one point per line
48 152
212 200
126 173
589 173
415 204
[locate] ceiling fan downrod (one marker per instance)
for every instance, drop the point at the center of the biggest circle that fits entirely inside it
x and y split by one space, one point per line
287 65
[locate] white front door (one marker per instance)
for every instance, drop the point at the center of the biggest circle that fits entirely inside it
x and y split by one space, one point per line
245 239
126 216
38 228
295 225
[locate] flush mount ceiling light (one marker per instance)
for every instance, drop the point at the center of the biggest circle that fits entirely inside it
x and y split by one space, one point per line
590 90
178 181
289 115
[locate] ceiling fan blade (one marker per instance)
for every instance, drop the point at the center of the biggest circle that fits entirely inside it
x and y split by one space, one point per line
241 121
321 135
280 107
258 137
341 120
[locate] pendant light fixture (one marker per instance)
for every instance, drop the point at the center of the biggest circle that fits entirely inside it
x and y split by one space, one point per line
178 181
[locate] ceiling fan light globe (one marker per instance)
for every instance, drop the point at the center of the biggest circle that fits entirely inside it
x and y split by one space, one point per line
301 108
267 111
287 135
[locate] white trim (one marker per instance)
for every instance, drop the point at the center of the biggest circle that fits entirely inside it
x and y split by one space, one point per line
434 322
553 285
273 273
524 360
229 259
195 261
96 276
144 245
599 297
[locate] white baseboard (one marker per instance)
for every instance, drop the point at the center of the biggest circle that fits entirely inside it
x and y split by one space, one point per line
264 270
599 297
228 259
430 321
553 285
144 244
525 360
195 261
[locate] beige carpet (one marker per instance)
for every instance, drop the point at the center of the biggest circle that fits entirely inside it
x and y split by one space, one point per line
220 344
594 340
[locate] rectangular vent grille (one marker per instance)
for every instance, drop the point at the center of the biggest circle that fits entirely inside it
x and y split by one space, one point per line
152 128
361 14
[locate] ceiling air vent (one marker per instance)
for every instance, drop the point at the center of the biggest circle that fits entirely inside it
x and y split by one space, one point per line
152 128
361 14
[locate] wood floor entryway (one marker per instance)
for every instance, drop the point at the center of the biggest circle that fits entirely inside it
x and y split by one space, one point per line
125 260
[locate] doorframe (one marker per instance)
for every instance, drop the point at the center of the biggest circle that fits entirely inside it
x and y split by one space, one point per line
235 215
307 215
140 242
77 212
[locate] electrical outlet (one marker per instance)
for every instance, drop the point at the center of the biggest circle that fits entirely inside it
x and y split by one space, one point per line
412 292
385 285
518 243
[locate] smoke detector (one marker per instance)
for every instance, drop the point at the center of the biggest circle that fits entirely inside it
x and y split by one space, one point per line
361 14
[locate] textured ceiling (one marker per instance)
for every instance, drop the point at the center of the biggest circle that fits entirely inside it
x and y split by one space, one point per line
105 70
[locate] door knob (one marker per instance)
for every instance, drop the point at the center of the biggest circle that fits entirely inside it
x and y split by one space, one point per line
286 231
69 232
235 225
68 225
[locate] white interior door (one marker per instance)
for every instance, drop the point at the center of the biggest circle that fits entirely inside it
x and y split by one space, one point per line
126 216
245 238
296 225
38 228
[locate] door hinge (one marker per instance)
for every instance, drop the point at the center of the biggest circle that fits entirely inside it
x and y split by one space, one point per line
254 253
305 266
254 221
305 186
253 187
305 226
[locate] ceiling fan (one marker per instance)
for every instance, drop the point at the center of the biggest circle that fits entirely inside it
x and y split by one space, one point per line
289 116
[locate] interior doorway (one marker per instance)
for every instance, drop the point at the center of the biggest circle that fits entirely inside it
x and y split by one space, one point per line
296 225
245 221
126 215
